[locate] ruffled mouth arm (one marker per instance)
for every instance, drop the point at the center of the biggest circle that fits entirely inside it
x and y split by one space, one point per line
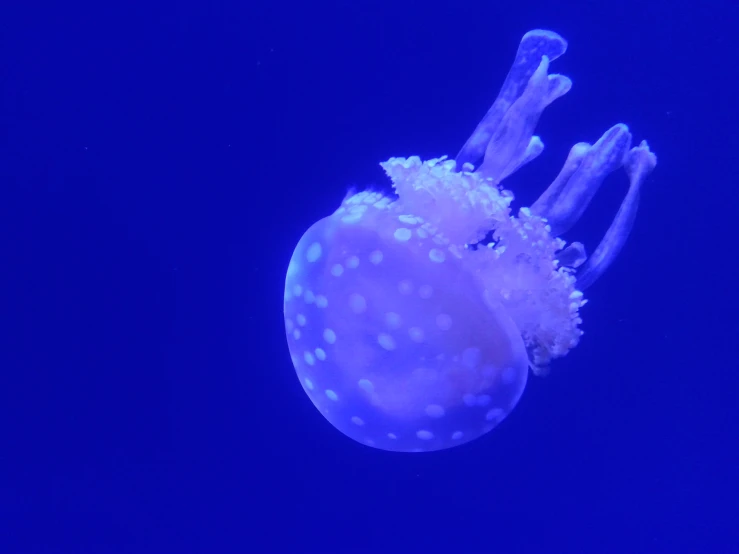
639 163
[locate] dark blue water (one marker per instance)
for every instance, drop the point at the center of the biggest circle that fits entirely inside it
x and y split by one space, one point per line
158 166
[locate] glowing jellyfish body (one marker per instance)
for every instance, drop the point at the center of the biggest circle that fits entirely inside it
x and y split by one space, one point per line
413 321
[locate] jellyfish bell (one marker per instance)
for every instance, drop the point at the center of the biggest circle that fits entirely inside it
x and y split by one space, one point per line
401 332
413 321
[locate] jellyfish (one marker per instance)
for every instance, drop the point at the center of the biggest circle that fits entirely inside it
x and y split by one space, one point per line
413 319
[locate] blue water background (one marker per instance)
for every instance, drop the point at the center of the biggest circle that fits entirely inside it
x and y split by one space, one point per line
158 163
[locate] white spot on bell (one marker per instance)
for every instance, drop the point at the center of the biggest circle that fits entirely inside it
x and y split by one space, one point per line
366 385
320 354
313 252
357 421
402 234
321 301
496 414
424 435
425 291
392 320
483 400
386 341
337 270
357 303
405 286
332 395
416 334
375 257
329 336
436 255
352 217
352 262
434 410
309 358
308 383
443 322
457 435
300 318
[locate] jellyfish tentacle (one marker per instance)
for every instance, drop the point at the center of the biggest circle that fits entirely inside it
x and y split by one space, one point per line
559 85
549 197
563 209
533 47
510 141
535 147
573 255
640 161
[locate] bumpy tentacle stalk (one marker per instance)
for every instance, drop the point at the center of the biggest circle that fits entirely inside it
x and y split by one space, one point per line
551 195
534 48
511 140
505 141
566 199
639 163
